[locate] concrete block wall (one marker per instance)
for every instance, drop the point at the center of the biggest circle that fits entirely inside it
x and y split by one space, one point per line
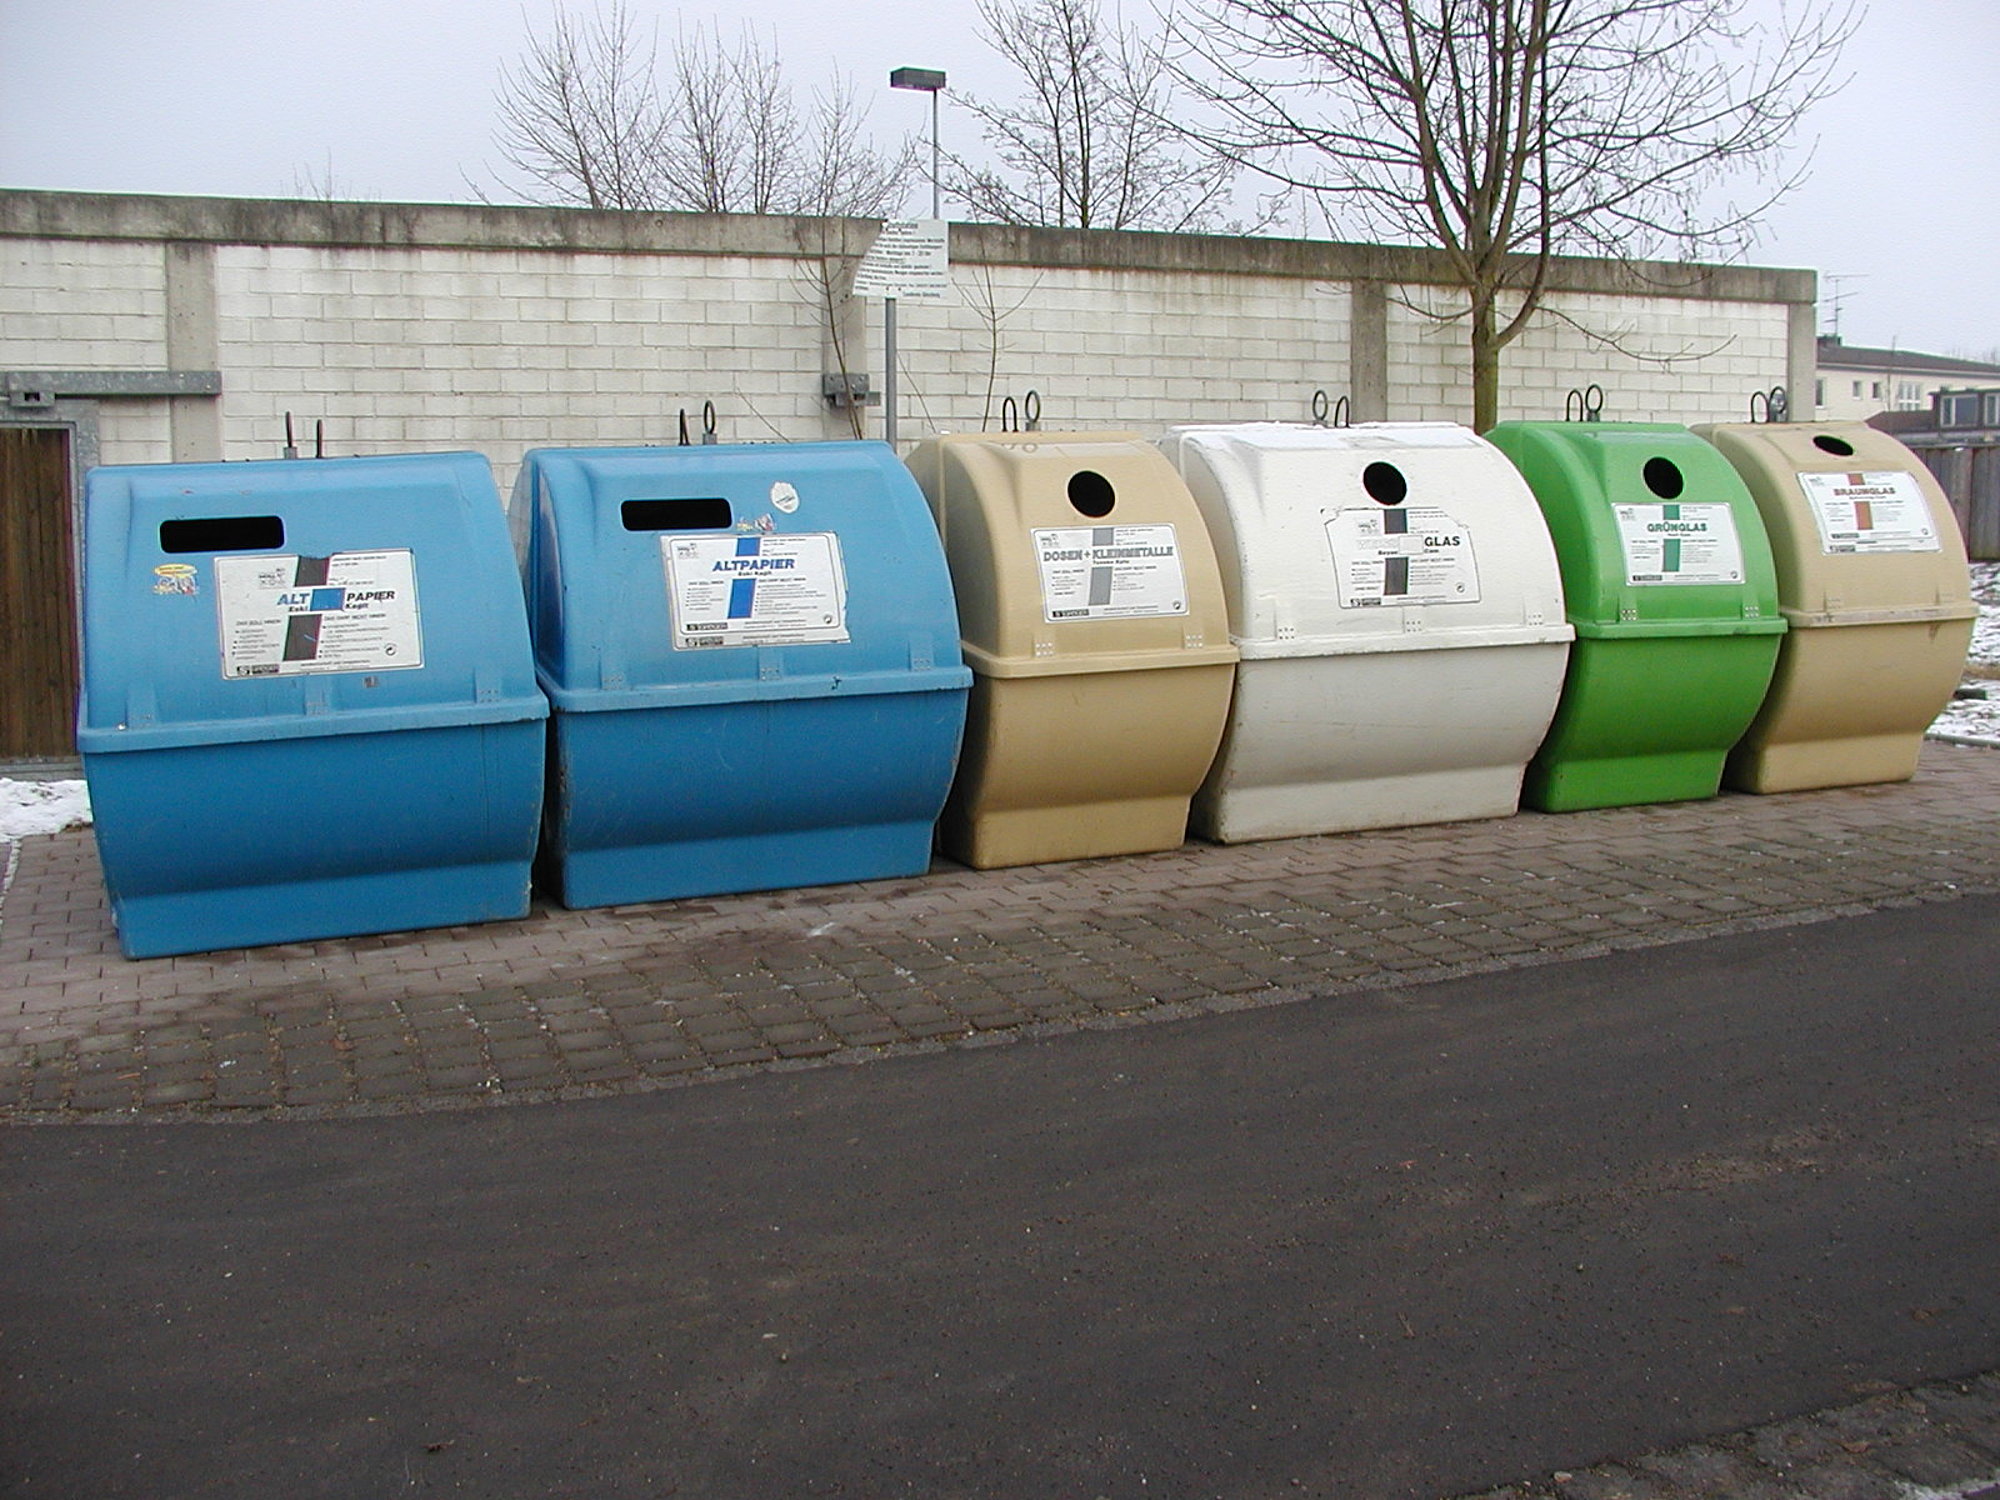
427 327
1657 359
1138 349
81 304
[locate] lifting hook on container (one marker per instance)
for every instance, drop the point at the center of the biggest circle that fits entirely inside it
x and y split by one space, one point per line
684 427
708 424
1586 405
1339 410
319 438
291 446
1776 404
1011 410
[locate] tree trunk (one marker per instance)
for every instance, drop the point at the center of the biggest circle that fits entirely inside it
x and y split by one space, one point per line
1485 366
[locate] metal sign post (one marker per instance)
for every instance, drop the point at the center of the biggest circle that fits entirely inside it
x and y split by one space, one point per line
911 258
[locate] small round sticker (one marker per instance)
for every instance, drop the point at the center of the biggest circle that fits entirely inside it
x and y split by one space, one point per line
784 497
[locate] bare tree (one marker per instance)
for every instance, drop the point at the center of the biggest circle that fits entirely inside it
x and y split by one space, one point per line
1506 132
591 115
580 114
1090 143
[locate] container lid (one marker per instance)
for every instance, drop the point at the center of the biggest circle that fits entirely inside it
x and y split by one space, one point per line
708 574
1861 533
1386 536
1073 552
296 598
1653 530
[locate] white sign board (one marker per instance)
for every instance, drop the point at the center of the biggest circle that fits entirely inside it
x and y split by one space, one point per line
1401 555
1110 572
910 260
755 590
293 616
1871 512
1686 543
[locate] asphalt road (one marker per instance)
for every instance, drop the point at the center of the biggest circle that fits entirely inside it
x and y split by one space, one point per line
1404 1243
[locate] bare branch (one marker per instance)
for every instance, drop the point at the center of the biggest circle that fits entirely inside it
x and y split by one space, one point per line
1506 132
1088 143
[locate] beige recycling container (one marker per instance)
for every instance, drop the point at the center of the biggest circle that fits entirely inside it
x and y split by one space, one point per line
1091 613
1873 581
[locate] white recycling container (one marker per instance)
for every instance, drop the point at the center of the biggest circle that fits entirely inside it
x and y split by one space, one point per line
1396 599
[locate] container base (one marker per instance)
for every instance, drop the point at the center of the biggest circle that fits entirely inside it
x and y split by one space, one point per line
1623 781
1816 764
672 871
1243 815
174 922
996 840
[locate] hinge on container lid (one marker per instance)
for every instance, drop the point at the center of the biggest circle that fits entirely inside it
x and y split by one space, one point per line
141 707
317 700
1044 646
1283 626
921 657
1193 640
770 664
485 687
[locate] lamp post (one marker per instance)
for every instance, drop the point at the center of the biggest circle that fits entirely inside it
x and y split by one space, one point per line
926 81
923 81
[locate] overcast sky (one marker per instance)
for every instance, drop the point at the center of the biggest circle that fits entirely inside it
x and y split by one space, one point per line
393 100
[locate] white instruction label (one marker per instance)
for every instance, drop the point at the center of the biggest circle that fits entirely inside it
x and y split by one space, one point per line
1110 572
289 616
1674 543
1396 554
755 590
1873 512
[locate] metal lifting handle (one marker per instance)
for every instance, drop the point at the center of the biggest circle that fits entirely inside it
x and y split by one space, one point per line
708 424
1319 408
1031 408
1586 405
1343 413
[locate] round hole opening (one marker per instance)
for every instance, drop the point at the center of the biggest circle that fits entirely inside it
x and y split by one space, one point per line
1385 484
1663 478
1838 447
1091 493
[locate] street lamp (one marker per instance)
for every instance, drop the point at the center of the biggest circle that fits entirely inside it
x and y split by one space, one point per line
926 81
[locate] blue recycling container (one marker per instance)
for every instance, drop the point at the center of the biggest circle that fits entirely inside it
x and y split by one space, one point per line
309 707
752 654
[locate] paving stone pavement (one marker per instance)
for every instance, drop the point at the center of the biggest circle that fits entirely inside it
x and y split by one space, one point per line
1939 1441
566 1003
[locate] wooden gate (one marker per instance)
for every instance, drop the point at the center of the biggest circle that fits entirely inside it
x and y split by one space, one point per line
38 655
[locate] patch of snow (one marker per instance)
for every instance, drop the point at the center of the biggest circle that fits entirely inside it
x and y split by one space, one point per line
1978 719
31 807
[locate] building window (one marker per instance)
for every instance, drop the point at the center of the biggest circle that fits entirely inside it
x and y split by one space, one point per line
1992 409
1875 390
1960 409
1819 393
1909 395
1857 387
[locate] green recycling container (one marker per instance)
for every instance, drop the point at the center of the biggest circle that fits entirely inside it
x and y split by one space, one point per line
1668 579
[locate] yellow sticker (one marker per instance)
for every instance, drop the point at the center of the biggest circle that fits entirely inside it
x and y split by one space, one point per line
174 578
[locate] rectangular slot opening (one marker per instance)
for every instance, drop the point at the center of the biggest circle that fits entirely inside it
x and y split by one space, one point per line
222 534
707 513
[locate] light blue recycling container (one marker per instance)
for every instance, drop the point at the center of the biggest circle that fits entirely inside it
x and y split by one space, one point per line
752 654
309 707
